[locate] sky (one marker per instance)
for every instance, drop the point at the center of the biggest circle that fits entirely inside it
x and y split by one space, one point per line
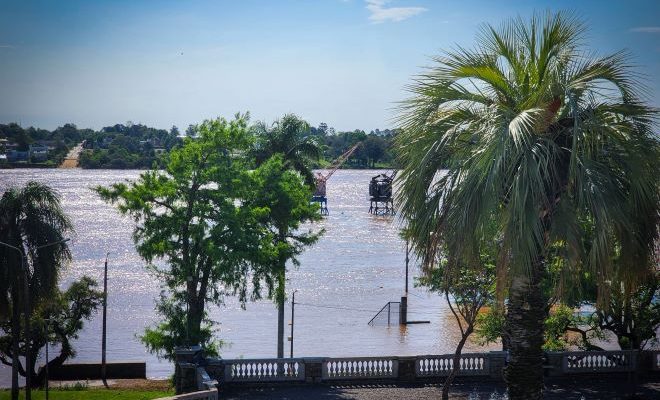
342 62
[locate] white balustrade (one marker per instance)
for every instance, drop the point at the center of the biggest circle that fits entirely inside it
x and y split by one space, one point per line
264 370
598 361
441 365
360 368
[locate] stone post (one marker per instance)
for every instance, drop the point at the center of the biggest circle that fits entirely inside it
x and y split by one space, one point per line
497 362
407 369
313 369
185 368
403 310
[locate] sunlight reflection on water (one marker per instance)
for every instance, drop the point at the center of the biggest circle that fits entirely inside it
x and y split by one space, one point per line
357 264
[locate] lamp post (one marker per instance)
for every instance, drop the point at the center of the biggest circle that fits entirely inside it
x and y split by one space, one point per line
26 288
293 304
47 320
105 308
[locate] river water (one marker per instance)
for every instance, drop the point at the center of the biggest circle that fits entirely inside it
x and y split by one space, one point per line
343 280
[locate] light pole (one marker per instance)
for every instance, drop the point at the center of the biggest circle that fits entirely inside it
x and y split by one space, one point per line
26 288
47 320
105 309
293 304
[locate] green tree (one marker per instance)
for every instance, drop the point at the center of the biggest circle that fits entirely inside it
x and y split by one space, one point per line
193 215
541 134
288 136
31 218
284 196
469 285
56 320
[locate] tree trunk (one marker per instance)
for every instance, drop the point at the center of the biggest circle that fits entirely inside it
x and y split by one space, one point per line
524 326
280 315
456 364
16 331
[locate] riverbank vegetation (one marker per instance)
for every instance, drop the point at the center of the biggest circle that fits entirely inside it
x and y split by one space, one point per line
137 146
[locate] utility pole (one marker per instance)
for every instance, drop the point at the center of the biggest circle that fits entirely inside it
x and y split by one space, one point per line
407 259
293 304
105 311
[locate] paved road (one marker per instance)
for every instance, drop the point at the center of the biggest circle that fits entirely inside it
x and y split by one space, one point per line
587 389
71 159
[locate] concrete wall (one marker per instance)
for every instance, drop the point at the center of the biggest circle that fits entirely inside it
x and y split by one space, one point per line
114 370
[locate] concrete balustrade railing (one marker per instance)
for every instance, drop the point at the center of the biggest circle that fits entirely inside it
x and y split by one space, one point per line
360 368
197 373
264 370
599 361
475 364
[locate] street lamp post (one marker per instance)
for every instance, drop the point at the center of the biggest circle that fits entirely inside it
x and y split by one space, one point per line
26 288
47 320
105 309
293 304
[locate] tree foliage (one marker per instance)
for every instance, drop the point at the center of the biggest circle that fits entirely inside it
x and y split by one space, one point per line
540 135
33 222
193 217
55 320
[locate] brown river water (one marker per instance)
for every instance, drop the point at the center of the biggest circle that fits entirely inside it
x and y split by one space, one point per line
343 280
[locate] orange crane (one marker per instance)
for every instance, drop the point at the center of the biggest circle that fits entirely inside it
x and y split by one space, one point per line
320 192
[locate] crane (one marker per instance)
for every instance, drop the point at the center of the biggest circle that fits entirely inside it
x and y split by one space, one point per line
320 192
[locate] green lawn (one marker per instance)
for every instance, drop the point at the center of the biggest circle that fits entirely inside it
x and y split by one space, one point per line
91 394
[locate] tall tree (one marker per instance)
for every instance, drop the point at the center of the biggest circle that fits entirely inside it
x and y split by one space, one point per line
283 194
290 137
31 218
193 216
540 134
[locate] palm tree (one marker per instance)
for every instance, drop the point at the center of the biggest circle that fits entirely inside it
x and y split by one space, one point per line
30 217
290 137
545 138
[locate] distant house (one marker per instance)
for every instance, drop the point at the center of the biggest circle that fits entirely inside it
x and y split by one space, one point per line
106 141
15 156
3 158
159 150
38 153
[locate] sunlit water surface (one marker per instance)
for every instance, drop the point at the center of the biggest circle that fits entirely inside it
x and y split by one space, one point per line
343 280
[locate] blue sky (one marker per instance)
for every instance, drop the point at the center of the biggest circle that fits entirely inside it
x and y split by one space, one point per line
343 62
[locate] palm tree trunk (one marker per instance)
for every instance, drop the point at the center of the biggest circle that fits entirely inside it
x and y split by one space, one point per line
524 326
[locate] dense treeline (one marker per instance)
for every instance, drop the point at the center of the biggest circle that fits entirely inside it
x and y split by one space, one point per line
374 152
137 146
127 146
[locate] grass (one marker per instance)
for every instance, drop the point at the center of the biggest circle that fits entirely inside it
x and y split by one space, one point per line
92 394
